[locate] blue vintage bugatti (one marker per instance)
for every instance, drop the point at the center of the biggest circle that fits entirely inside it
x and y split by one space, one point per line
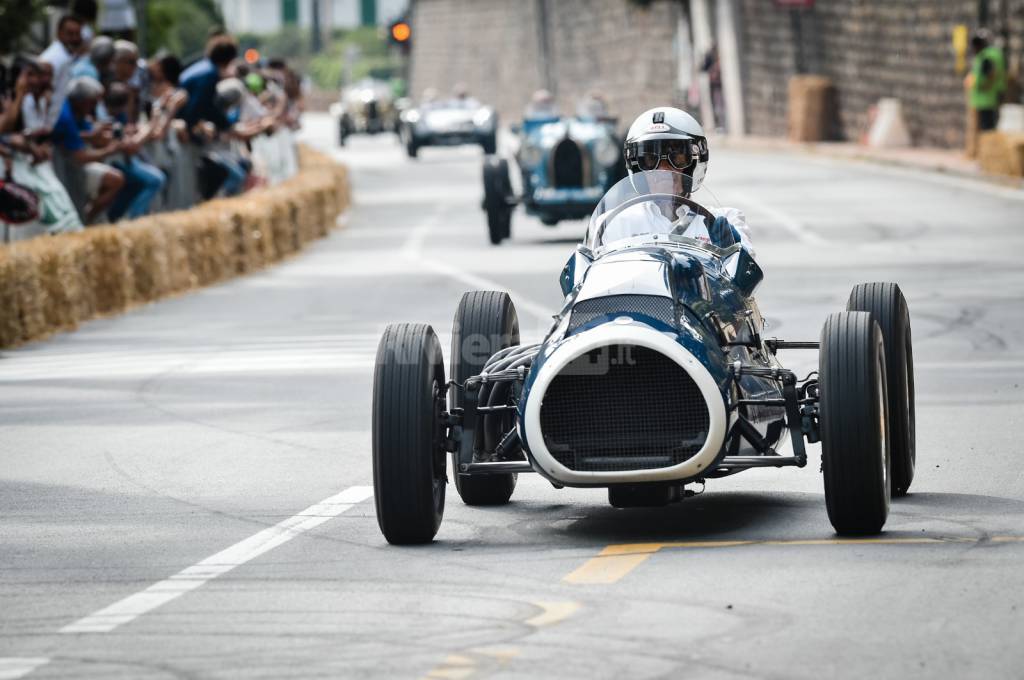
565 164
654 376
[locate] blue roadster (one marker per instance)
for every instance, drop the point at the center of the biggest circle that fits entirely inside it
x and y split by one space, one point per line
565 165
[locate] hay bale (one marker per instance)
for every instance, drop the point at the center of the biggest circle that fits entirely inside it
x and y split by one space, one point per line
281 214
179 271
62 280
10 316
148 258
23 302
1001 153
810 108
111 270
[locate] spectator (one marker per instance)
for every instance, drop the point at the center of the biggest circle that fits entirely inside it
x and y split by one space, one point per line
35 109
96 64
987 80
169 133
88 146
61 54
200 82
126 69
97 134
204 120
27 161
143 181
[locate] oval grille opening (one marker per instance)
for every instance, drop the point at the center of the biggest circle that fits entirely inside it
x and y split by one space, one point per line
621 408
568 165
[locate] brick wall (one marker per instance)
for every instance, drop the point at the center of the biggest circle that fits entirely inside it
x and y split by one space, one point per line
621 48
870 49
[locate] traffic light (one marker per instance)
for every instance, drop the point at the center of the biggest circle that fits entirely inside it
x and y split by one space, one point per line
400 34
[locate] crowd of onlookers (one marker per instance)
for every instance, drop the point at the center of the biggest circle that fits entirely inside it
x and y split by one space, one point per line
92 133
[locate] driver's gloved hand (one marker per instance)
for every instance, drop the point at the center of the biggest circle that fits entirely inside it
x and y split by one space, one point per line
722 233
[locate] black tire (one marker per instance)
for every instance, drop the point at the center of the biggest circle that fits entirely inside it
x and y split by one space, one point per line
409 473
485 322
411 147
855 459
886 302
344 130
497 199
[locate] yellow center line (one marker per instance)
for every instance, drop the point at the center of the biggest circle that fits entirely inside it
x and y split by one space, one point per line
615 561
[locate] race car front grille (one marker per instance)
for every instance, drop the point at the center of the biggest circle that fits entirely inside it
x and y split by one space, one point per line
622 408
654 306
569 165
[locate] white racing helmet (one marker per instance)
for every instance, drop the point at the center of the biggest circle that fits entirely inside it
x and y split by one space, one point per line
666 133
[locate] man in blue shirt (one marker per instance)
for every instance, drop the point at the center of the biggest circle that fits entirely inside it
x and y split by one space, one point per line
103 182
200 81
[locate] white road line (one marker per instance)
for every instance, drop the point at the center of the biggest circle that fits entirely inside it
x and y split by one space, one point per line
162 592
794 226
541 311
412 249
14 667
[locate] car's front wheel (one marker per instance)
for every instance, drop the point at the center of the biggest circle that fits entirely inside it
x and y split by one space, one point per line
853 423
485 322
497 199
409 466
886 302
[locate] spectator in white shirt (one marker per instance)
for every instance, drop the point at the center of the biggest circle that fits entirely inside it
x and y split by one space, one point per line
61 54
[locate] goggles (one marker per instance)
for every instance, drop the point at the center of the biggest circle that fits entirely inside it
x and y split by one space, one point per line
681 154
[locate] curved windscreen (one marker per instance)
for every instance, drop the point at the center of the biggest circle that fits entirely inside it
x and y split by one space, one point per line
655 206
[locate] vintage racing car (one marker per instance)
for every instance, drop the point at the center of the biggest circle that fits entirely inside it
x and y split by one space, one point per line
566 165
459 120
366 107
654 375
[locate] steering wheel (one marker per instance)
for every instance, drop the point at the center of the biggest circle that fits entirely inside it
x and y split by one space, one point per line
709 219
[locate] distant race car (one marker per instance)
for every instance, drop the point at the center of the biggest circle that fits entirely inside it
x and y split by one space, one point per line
449 123
654 375
367 107
566 166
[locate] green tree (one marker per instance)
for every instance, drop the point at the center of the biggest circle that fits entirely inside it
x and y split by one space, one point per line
16 18
181 26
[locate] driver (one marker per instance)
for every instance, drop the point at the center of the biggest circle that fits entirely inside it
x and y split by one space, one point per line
669 139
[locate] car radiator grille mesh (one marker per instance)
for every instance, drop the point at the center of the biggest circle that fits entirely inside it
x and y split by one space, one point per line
655 306
622 408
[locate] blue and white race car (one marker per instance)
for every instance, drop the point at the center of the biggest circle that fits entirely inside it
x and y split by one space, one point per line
654 375
566 164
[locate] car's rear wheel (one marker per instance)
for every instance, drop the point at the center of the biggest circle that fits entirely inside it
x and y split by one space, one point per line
489 142
497 199
886 302
409 473
485 322
853 423
344 130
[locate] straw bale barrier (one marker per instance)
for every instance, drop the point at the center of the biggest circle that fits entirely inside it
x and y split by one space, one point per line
1001 153
50 284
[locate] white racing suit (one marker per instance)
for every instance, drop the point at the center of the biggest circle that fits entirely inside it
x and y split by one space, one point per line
647 218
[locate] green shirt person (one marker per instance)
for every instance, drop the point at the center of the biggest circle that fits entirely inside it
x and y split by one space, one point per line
988 80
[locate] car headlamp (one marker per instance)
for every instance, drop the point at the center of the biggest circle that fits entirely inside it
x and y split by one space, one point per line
606 152
483 118
412 116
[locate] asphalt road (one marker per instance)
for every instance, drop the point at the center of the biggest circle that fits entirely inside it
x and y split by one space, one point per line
184 489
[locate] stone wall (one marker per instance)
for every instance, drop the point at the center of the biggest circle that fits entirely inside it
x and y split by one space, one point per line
870 49
627 49
620 47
